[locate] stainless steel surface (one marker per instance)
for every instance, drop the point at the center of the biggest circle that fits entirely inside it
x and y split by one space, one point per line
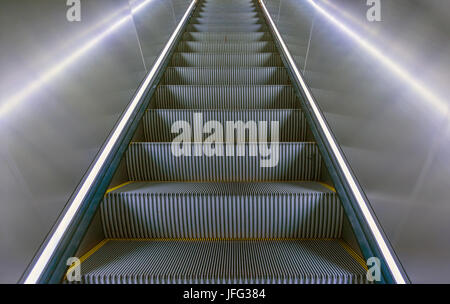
59 100
383 89
155 24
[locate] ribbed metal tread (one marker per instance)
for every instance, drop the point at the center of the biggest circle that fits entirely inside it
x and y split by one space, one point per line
238 97
229 47
226 59
222 211
158 123
225 9
226 28
227 36
156 162
219 14
225 75
231 262
225 188
225 20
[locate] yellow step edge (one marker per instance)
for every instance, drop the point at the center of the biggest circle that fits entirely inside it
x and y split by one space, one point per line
344 244
356 256
117 187
183 181
219 239
87 255
328 186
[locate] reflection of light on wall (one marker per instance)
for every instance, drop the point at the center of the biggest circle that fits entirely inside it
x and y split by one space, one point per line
420 88
48 75
61 228
370 220
350 17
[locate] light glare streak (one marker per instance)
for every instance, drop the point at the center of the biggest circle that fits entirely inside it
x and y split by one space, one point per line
398 277
50 74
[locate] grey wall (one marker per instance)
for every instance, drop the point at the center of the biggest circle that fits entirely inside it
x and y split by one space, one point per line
396 138
50 135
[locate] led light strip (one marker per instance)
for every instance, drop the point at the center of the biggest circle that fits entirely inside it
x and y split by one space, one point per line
53 242
340 159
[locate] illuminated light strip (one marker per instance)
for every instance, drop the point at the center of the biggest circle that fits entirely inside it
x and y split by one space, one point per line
398 277
9 104
438 103
56 237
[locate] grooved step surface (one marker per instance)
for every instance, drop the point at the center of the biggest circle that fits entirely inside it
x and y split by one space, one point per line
226 262
227 36
156 162
292 123
238 97
224 20
222 210
226 75
226 59
229 47
226 28
216 13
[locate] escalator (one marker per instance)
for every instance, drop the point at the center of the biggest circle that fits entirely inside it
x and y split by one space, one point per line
222 219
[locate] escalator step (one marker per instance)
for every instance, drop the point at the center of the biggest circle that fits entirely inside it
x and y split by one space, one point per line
238 97
224 59
231 262
236 14
226 9
222 211
224 20
226 36
226 28
158 123
225 76
156 162
229 47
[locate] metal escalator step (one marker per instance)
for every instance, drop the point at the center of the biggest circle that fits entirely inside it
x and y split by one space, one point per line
158 123
237 97
227 5
226 59
218 14
222 211
226 9
225 75
230 262
226 28
236 47
223 20
227 36
156 162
